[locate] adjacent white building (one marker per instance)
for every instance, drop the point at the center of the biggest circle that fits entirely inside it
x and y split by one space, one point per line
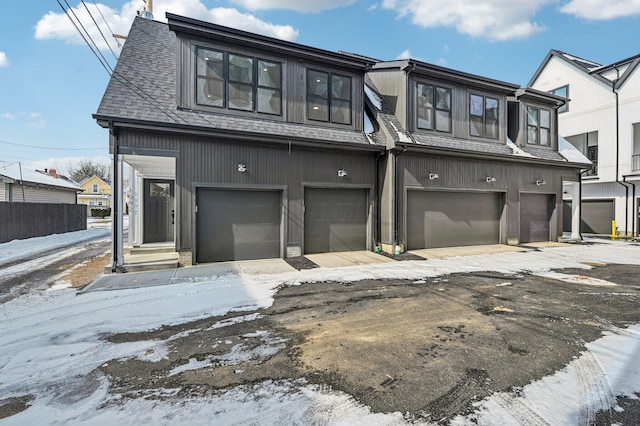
602 120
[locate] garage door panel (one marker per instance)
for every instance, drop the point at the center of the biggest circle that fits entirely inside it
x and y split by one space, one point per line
238 225
535 217
335 220
447 219
596 216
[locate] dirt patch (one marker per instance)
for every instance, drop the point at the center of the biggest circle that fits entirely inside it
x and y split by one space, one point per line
13 406
83 274
428 348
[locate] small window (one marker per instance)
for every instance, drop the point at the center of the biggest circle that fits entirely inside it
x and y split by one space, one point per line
244 83
94 188
484 117
99 203
433 108
328 97
160 190
538 126
564 92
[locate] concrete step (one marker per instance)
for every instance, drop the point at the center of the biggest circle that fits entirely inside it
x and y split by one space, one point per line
152 249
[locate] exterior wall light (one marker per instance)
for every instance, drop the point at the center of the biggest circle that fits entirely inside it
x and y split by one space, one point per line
541 182
242 167
433 176
342 173
490 179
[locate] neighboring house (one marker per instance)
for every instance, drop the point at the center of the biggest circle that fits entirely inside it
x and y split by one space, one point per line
97 192
241 146
18 184
602 120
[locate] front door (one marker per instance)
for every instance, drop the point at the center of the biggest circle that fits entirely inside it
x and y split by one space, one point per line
159 210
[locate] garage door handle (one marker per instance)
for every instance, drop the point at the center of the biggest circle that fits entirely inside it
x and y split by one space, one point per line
173 216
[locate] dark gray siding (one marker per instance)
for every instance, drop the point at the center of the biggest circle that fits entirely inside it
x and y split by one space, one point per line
470 175
392 85
206 162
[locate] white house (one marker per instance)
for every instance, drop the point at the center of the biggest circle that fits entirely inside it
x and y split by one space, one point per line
602 120
20 184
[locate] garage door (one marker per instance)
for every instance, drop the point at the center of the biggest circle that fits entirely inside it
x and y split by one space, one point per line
448 219
535 217
335 220
596 216
237 225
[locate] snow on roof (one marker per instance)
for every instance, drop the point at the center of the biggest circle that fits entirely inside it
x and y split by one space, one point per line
375 100
582 62
517 150
18 173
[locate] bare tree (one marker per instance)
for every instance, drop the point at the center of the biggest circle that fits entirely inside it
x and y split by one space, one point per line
86 169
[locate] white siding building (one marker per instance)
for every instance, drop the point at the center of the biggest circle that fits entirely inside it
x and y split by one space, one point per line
602 120
18 184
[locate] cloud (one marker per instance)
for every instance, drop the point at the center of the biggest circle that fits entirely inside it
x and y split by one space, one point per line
58 26
405 54
297 5
372 7
8 116
36 120
495 20
4 61
602 9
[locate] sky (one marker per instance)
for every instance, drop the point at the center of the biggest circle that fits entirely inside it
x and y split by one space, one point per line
51 82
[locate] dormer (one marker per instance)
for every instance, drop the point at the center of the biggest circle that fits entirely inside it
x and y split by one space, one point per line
533 119
232 72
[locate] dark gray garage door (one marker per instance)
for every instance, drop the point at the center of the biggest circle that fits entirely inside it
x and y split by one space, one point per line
448 219
237 225
596 216
535 217
335 220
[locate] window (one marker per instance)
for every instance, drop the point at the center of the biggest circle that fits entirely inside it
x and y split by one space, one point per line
94 188
484 117
433 108
238 82
587 144
538 126
564 92
328 97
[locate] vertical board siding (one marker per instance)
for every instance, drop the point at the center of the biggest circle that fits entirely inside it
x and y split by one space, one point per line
30 194
28 220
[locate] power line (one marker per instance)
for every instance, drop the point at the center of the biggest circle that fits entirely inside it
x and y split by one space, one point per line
49 148
101 33
106 22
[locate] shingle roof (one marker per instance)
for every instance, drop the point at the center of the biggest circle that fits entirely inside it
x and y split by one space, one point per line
22 174
143 88
462 145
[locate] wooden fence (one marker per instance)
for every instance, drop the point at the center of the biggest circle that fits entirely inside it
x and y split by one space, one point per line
27 220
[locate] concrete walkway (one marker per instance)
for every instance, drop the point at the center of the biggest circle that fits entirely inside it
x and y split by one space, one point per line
346 258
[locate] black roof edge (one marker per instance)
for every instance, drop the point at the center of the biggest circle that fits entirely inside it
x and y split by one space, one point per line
618 63
414 65
559 54
538 95
472 154
635 63
103 121
197 27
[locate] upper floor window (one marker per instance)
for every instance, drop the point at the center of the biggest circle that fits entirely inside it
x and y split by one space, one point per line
538 126
564 92
328 97
587 144
433 108
94 188
484 117
244 83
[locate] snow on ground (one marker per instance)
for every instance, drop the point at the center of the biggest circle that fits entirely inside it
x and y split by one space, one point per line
50 346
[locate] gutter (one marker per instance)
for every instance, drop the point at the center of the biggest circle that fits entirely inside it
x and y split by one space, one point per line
633 197
623 184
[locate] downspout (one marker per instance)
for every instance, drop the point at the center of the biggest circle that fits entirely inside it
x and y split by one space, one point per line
115 208
633 197
626 188
377 232
396 190
580 202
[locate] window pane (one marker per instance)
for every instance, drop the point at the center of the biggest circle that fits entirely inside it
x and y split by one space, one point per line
341 112
562 91
475 127
318 108
240 69
492 109
443 121
493 131
269 74
160 189
241 96
424 118
544 136
544 118
425 95
317 84
269 101
341 87
443 98
532 135
532 116
210 63
210 92
475 106
424 107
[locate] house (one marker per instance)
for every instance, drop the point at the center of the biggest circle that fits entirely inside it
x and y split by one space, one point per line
97 192
242 146
18 184
602 119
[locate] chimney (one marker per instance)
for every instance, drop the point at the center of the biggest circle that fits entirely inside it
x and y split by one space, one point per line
53 173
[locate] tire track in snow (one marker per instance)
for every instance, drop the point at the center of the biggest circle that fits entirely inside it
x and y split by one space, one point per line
520 411
594 388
